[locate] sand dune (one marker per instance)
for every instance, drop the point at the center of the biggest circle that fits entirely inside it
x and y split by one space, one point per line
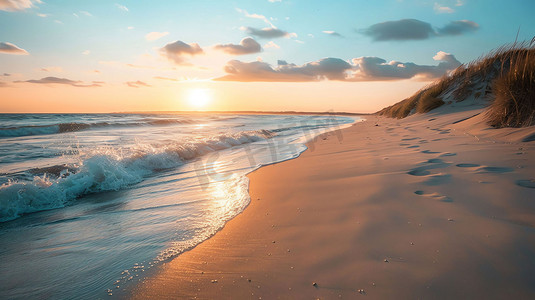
433 206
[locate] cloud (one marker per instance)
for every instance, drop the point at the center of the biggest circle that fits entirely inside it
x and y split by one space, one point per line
375 68
137 84
273 1
439 9
52 69
412 29
152 36
9 48
458 27
358 69
176 51
65 81
83 12
121 7
406 29
332 33
86 52
327 68
271 44
268 33
165 78
17 5
255 16
41 15
247 46
6 74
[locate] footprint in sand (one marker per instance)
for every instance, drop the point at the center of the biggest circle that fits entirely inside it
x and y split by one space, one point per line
413 146
410 139
448 154
494 170
419 172
467 165
526 183
432 178
429 152
437 179
436 196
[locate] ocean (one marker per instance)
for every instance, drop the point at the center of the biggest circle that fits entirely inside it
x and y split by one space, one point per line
92 203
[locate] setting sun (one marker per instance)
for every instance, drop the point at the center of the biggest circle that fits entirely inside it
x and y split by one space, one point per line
199 98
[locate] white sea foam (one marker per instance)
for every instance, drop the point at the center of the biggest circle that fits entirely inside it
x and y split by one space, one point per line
108 169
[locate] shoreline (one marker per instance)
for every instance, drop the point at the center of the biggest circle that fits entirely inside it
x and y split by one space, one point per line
379 214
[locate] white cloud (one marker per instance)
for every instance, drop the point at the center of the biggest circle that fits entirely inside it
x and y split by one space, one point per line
43 15
86 52
247 46
137 84
332 33
121 7
271 44
268 32
439 9
86 13
357 69
17 5
273 1
52 69
152 36
175 51
255 16
64 81
9 48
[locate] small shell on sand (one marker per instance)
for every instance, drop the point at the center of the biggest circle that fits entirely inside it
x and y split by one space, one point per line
314 284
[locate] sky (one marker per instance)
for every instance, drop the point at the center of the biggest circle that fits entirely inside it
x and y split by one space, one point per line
269 55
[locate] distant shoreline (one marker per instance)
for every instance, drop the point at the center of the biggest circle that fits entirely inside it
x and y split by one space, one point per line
249 112
244 112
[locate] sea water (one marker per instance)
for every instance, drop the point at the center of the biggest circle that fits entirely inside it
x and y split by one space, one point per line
90 203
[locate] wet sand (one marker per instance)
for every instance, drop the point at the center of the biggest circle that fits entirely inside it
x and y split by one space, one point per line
421 208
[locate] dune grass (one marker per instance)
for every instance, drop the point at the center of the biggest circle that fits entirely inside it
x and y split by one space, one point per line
423 101
509 75
514 105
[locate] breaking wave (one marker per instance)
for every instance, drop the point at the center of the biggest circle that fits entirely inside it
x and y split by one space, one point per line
107 170
73 127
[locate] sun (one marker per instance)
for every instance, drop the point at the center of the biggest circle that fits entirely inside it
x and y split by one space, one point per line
199 98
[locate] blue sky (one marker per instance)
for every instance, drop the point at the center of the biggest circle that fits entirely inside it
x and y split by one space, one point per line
105 44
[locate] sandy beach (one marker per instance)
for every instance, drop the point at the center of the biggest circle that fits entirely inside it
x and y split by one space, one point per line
434 206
